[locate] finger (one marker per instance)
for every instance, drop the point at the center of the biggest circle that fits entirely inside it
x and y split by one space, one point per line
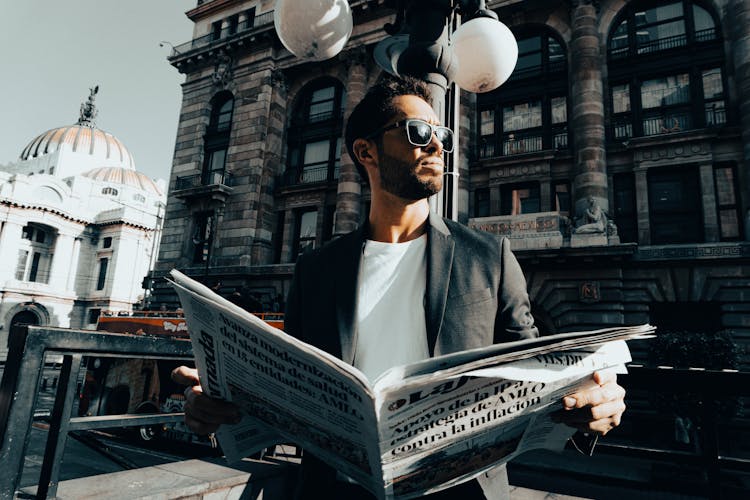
593 397
589 414
209 410
605 377
184 375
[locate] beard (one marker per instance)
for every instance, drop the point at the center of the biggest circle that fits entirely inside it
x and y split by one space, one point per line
399 178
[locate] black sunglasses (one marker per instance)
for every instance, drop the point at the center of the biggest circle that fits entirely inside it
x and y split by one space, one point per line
419 133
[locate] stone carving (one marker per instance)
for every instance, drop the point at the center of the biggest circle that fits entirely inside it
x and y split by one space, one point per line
88 109
222 74
593 220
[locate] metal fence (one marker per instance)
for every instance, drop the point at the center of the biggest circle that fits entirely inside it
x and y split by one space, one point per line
18 392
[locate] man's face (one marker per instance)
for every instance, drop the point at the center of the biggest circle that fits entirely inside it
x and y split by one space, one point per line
407 171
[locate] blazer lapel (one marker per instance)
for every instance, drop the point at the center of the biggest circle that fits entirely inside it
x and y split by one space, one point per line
346 282
439 263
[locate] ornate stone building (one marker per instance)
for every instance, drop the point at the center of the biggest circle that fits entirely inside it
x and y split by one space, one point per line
80 228
615 158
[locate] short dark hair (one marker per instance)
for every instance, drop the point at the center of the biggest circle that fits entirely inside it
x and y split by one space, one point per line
376 109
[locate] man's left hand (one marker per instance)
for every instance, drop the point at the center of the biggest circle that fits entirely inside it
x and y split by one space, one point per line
597 410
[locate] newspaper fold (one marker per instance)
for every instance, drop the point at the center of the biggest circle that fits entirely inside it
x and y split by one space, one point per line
418 428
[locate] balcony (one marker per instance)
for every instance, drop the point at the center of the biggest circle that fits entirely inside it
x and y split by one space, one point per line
310 175
523 142
254 25
207 188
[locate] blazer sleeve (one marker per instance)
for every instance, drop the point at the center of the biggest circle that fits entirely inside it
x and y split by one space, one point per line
514 320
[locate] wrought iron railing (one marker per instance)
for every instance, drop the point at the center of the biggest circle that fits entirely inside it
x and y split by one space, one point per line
227 33
308 175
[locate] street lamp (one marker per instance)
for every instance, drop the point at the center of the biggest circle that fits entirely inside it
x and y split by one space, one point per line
478 56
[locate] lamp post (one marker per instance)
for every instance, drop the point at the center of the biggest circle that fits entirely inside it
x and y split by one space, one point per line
478 56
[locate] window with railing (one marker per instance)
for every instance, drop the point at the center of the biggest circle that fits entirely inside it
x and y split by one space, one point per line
665 70
530 113
314 153
216 139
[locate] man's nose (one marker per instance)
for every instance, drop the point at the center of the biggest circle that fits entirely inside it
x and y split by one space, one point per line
434 146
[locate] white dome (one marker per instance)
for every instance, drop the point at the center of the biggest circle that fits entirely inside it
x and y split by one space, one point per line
102 146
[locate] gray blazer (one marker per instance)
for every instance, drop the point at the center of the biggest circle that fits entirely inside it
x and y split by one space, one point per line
476 295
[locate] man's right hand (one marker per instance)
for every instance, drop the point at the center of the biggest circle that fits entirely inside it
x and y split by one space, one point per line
203 414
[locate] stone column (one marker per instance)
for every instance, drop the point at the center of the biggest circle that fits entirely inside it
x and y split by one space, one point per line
348 197
587 106
73 269
10 241
60 265
708 199
271 109
739 32
641 206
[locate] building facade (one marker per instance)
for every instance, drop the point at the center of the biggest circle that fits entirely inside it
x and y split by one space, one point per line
616 159
80 228
630 110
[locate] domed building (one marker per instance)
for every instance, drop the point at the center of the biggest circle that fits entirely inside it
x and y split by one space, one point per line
80 228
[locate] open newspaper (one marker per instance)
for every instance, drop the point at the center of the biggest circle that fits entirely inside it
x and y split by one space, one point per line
418 428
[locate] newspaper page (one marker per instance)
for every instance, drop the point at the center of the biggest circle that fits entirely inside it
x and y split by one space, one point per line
420 428
304 394
437 432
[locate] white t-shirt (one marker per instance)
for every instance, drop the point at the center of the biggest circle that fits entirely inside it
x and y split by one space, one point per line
390 310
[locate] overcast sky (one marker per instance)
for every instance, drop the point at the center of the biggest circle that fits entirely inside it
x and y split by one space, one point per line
52 51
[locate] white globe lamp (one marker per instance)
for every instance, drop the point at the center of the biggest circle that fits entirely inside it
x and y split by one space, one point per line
314 30
487 53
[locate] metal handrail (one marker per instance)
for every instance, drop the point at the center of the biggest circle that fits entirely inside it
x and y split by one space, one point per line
18 391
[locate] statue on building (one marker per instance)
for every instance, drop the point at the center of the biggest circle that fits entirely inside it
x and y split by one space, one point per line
222 74
88 109
593 220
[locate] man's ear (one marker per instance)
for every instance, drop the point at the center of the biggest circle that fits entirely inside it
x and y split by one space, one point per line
364 151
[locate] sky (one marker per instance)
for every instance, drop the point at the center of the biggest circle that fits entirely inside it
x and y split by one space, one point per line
52 52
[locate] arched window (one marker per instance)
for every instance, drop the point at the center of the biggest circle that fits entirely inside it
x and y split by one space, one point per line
665 70
109 191
529 113
315 134
216 140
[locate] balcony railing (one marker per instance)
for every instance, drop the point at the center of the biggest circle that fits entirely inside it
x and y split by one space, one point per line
522 142
308 175
198 180
227 33
666 43
667 122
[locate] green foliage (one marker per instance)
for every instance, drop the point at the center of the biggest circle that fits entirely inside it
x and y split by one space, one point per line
683 349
